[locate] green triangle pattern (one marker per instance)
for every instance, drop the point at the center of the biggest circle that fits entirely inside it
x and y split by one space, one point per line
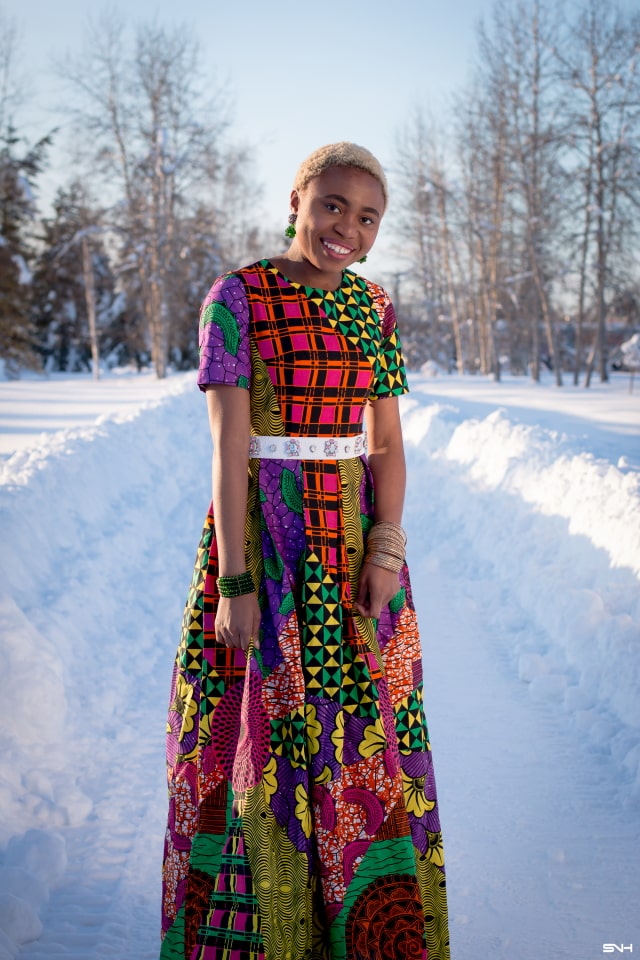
411 726
288 738
352 311
189 655
322 628
332 668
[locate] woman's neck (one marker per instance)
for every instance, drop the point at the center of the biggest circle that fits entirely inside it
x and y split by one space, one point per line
302 271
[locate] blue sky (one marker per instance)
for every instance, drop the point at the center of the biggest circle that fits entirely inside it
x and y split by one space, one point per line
302 74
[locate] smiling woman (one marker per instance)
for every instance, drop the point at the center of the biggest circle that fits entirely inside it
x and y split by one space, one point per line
337 203
337 218
303 819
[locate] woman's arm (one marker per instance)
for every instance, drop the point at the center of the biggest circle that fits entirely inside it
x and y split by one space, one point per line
386 459
237 619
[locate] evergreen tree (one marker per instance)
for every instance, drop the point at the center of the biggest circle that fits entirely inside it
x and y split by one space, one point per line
18 173
62 289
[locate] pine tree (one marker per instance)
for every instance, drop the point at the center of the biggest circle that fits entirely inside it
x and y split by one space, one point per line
18 173
72 245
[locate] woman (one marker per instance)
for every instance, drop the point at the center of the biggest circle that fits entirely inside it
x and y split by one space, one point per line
303 820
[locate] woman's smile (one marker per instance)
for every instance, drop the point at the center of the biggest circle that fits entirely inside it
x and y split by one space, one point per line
338 249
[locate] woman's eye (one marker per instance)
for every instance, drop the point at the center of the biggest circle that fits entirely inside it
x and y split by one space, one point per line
333 208
367 220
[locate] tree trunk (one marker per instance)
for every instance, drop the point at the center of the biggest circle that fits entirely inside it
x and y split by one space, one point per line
535 348
90 299
583 265
546 315
453 301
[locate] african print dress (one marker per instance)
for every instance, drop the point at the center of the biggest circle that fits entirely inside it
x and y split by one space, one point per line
303 822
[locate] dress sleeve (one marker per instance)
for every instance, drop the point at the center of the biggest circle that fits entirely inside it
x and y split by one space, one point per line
225 355
390 378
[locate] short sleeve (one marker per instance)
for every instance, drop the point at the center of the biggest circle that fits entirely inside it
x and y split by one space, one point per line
390 378
225 356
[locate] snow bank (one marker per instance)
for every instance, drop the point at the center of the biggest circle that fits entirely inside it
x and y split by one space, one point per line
559 532
83 516
599 501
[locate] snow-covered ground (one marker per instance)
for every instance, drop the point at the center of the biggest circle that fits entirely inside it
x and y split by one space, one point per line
523 516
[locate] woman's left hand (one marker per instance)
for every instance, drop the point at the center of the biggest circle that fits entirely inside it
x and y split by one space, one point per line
376 588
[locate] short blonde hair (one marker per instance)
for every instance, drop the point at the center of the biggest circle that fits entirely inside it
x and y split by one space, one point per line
343 154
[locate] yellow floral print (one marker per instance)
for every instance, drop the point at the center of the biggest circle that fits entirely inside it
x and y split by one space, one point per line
314 729
270 779
416 800
326 776
204 733
303 811
337 737
435 851
185 705
373 740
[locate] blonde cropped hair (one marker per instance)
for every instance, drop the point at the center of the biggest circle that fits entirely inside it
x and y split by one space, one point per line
343 154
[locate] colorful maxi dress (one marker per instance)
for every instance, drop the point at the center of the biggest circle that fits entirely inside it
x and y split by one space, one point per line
303 821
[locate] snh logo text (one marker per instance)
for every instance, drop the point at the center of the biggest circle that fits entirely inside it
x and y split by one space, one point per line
617 948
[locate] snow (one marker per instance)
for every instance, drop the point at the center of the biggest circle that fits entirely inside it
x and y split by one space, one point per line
34 407
631 352
523 517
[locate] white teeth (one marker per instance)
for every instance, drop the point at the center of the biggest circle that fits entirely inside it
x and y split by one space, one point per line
336 248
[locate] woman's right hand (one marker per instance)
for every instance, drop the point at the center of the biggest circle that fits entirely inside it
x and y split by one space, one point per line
238 621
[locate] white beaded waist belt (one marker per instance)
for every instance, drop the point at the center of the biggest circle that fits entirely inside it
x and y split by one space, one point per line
308 448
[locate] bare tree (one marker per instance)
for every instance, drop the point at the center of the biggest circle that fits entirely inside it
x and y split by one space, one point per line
11 85
481 137
428 240
518 82
547 193
156 142
417 222
601 67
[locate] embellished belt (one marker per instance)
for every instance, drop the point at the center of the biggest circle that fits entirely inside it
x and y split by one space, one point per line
308 448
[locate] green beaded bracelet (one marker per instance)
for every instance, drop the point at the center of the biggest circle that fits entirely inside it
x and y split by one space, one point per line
236 586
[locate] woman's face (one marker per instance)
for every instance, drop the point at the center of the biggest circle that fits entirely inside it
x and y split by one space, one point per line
339 214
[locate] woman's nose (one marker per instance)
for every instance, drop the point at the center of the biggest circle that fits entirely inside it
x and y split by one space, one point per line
346 225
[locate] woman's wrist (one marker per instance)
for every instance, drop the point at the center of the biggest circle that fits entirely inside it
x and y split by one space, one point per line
235 585
386 545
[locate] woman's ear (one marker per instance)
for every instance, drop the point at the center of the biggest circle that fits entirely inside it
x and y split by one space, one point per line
294 201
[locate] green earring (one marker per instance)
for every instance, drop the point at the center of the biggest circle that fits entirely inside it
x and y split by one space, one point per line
363 259
291 230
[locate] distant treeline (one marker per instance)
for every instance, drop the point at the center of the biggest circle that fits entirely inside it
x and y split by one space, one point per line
517 218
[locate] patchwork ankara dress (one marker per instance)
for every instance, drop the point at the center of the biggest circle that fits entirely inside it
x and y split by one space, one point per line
303 820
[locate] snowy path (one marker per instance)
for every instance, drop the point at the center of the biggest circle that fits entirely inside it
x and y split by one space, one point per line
541 863
36 405
107 903
542 854
529 611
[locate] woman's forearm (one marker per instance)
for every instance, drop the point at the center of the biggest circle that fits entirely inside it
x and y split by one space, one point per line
389 479
229 482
